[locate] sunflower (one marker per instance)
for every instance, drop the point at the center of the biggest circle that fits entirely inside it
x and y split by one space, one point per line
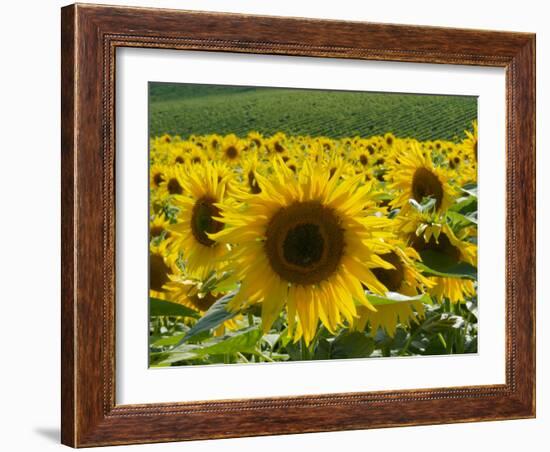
431 237
404 279
306 241
471 141
231 149
205 192
256 139
277 143
158 227
161 265
388 316
172 184
157 175
250 168
416 177
195 156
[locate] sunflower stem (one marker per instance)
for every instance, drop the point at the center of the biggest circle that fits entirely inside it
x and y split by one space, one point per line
304 350
264 356
241 356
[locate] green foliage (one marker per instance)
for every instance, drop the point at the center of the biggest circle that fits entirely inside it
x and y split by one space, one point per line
212 319
203 109
394 297
159 307
181 336
438 264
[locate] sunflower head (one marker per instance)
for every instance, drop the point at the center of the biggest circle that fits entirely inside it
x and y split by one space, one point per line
307 241
417 178
199 209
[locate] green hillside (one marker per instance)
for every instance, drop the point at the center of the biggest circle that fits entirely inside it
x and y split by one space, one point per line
181 109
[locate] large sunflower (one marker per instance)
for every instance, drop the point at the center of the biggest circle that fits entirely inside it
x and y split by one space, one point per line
205 191
416 177
309 242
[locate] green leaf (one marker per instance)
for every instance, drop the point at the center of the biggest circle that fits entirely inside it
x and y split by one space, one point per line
439 264
459 221
471 189
394 297
213 318
465 205
159 307
351 345
442 322
166 341
322 351
426 205
240 341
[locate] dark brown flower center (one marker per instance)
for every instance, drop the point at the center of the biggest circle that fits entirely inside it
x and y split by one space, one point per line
363 159
304 242
157 179
231 152
278 147
174 187
157 230
158 272
426 184
202 221
391 278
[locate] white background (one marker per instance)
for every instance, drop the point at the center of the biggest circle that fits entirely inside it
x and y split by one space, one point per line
29 104
137 384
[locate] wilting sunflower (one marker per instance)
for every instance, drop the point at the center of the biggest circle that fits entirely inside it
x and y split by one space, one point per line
416 177
205 191
309 242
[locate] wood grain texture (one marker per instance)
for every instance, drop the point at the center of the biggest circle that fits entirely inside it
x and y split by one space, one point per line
90 36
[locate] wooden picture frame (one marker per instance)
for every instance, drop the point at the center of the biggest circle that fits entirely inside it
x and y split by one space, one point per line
90 36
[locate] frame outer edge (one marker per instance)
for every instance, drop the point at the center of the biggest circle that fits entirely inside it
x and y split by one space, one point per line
68 230
86 419
525 62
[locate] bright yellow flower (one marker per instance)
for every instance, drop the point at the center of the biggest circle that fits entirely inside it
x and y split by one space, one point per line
416 177
205 191
307 242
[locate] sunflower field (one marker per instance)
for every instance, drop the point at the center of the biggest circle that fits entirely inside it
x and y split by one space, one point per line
282 247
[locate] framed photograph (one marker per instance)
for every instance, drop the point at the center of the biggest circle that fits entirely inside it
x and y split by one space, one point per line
280 225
